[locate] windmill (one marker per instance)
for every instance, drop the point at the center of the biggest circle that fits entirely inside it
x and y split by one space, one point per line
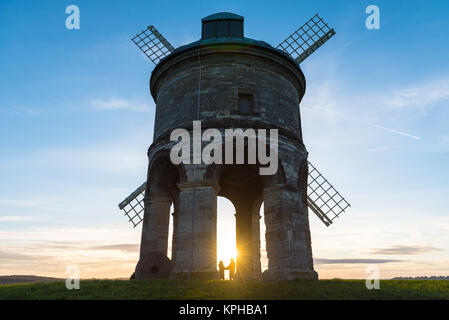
322 198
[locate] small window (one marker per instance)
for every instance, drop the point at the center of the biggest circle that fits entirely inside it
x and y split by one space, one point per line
235 29
222 29
209 30
245 104
154 269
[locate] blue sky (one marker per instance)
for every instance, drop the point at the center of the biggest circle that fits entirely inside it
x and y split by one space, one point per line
76 119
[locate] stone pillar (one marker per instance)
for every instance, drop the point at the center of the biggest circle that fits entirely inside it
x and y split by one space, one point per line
289 248
196 236
248 244
153 262
255 255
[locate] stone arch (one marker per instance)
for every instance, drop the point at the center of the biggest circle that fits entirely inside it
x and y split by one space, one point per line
162 175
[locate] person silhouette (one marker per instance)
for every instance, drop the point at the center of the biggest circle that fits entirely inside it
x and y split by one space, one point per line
221 269
231 269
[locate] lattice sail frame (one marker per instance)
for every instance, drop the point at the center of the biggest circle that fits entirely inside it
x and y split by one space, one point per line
134 205
153 44
307 39
322 199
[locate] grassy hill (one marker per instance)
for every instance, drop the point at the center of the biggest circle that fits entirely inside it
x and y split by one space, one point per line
215 289
26 279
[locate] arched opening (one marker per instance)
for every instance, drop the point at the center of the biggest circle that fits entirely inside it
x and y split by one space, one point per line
226 233
241 184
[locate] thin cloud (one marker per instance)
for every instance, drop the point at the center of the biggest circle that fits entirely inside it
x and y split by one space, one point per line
15 218
320 261
364 122
127 247
114 104
78 246
404 250
49 206
7 256
93 158
48 250
423 95
19 203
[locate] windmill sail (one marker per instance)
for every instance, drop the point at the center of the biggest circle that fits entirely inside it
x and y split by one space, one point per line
134 205
153 44
307 39
322 199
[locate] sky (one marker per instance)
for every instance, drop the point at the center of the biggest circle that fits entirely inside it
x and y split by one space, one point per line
77 117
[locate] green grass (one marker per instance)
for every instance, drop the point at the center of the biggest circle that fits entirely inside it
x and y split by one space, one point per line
215 289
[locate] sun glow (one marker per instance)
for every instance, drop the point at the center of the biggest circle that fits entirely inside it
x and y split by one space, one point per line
226 250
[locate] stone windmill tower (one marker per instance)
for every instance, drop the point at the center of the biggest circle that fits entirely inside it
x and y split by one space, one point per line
225 80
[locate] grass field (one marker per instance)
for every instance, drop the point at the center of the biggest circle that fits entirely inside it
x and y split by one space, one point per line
214 289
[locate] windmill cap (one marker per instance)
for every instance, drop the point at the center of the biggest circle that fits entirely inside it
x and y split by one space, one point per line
222 16
222 25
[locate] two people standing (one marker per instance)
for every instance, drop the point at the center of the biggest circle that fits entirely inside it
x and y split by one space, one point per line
231 269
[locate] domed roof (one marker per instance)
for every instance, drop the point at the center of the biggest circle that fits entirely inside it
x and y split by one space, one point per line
222 25
222 16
